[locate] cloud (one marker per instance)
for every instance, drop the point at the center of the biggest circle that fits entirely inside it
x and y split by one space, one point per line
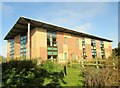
72 14
84 27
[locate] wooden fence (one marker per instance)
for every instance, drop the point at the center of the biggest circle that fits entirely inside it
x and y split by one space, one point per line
98 63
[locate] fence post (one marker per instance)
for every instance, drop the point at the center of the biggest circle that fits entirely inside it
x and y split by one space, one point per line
82 63
97 63
113 63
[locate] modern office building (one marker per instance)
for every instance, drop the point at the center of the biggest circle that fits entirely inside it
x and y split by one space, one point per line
34 39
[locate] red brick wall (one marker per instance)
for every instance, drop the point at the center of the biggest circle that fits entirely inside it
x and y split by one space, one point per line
88 51
60 41
73 48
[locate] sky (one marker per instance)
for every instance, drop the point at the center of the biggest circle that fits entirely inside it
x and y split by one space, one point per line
97 18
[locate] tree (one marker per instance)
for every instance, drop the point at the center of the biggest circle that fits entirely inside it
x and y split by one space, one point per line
116 51
2 59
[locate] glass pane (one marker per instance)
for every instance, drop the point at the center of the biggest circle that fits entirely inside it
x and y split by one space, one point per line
48 34
54 34
54 48
49 48
21 38
24 41
24 37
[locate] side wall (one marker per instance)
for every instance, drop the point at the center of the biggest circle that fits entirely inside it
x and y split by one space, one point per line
88 48
8 50
39 43
39 46
75 51
17 46
98 49
108 49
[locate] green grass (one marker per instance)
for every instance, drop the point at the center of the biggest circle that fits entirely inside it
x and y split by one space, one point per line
74 77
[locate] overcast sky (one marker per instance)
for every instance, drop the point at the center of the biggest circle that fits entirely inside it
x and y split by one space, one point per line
100 18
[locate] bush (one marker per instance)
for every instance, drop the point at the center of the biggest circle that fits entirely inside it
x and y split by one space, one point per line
19 73
101 76
48 66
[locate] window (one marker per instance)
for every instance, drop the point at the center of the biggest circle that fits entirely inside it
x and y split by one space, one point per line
51 39
94 54
102 49
93 44
83 40
65 40
65 56
23 46
52 45
12 48
83 46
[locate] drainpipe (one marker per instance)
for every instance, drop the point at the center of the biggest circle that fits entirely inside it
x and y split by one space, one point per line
28 40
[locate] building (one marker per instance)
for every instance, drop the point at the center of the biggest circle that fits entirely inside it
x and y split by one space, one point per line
33 39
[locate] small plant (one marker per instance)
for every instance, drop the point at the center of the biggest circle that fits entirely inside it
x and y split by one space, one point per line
48 66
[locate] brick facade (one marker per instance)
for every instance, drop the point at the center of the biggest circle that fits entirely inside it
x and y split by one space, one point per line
74 51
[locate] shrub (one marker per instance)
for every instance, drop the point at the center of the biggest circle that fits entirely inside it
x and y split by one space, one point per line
48 66
101 76
19 73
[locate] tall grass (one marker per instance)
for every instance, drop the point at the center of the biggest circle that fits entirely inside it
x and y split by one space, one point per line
104 76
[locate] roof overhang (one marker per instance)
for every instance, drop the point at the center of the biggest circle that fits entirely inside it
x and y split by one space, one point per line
21 26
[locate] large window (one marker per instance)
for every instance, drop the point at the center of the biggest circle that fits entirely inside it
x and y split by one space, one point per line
23 46
12 48
52 45
102 49
51 39
83 46
93 45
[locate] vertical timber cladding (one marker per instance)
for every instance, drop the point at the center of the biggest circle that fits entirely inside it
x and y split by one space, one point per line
98 49
17 46
39 43
8 50
108 49
88 48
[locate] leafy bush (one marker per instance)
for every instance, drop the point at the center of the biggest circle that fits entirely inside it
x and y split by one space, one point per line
48 66
19 73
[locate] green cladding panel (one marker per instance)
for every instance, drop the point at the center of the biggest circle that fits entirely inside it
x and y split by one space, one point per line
49 53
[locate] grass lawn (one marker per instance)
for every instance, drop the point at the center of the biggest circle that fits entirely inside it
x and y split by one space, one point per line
73 78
